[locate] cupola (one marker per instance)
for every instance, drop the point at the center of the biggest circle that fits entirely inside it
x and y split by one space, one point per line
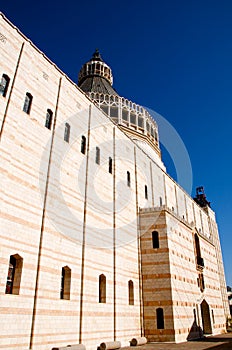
95 79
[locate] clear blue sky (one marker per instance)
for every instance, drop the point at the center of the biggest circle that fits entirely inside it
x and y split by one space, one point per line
173 56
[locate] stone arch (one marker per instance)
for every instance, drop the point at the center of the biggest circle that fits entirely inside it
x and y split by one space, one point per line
206 320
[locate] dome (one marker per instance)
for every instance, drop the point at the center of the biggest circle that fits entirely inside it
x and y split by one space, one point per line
96 76
95 79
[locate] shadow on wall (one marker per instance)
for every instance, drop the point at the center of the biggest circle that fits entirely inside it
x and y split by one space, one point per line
195 332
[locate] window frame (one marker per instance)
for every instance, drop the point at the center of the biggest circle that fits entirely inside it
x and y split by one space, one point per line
65 286
102 289
67 130
98 156
145 192
160 318
110 169
4 85
128 179
48 120
155 239
83 144
131 292
14 274
27 103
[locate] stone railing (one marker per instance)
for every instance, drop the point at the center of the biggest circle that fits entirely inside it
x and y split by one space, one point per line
127 113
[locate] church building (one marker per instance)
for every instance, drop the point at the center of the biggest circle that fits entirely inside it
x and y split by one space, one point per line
98 243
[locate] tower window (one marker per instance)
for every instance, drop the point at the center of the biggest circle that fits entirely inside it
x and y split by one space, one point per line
5 81
155 239
67 132
199 259
197 245
161 201
83 144
145 192
160 318
27 103
97 157
110 165
102 289
131 292
14 274
48 122
201 282
65 283
128 179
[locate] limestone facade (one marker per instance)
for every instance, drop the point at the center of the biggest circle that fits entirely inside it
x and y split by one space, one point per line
79 236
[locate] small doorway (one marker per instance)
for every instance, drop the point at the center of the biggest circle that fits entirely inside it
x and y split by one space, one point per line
206 321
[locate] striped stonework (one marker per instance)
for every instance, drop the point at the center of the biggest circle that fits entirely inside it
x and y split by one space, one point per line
67 220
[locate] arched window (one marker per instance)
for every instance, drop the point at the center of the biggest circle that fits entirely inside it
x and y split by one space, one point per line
131 292
155 239
160 318
65 283
110 165
102 289
83 144
67 132
161 201
5 81
97 158
128 179
145 192
27 103
14 274
48 121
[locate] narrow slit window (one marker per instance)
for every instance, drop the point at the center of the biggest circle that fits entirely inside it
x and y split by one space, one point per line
131 292
145 192
160 318
65 283
128 179
102 289
213 319
48 122
155 239
110 165
27 103
14 275
97 159
5 81
161 201
67 132
201 282
197 245
83 144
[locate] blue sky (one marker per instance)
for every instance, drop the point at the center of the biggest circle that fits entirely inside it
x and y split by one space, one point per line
173 56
